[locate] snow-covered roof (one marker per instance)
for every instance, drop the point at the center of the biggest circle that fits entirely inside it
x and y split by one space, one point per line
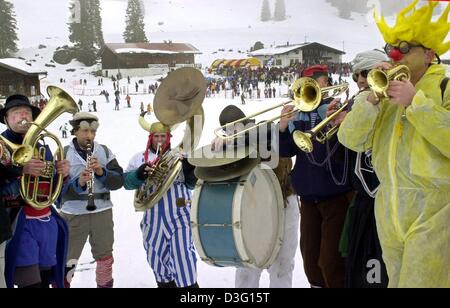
20 66
159 48
141 50
279 50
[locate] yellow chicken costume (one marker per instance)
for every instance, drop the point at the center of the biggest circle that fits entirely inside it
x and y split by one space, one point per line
411 156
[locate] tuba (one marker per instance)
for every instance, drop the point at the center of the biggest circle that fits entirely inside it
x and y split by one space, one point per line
169 165
59 103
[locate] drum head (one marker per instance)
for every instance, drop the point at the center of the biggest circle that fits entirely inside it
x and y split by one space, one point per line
259 207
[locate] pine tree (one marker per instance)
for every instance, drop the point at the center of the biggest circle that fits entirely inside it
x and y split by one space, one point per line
265 11
258 45
280 11
134 30
85 31
97 23
8 29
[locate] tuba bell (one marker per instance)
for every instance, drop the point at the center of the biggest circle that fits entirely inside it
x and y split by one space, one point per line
169 164
59 103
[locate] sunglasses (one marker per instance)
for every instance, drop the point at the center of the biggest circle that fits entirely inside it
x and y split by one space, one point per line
363 73
403 47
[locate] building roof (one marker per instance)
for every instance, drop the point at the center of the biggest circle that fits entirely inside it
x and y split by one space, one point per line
279 50
20 66
153 48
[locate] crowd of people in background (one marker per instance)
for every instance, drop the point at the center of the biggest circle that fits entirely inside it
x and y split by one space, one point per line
233 81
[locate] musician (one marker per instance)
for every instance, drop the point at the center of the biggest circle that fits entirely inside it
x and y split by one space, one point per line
408 133
361 233
320 179
97 224
166 226
282 268
35 255
7 173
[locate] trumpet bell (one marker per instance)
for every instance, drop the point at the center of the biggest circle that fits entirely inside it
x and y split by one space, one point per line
378 82
303 141
378 79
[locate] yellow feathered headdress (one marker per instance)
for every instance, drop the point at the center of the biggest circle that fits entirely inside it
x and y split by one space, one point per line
415 26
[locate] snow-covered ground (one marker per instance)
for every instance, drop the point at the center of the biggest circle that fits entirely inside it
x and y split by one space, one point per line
121 132
229 24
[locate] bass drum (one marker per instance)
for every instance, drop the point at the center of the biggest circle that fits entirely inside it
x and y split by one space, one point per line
239 222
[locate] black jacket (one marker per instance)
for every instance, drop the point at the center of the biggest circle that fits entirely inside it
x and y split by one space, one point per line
5 224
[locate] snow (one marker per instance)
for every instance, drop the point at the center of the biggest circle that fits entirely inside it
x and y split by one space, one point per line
232 25
21 65
141 50
120 131
275 51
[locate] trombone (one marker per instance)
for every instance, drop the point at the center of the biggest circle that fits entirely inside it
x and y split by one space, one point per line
307 96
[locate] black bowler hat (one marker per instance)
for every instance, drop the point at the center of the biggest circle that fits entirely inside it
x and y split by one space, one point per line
17 100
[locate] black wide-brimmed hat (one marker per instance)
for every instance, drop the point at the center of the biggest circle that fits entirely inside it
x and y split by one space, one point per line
232 113
17 100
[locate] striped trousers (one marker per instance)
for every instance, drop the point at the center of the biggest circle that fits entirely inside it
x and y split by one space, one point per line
168 241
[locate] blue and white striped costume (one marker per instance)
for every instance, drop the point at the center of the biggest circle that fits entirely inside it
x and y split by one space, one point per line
166 230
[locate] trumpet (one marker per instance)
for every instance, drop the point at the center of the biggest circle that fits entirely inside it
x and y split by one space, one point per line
304 139
90 184
307 96
378 79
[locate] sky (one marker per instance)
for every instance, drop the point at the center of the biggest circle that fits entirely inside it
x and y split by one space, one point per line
209 25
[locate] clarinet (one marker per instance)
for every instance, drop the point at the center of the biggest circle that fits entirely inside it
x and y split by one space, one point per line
90 184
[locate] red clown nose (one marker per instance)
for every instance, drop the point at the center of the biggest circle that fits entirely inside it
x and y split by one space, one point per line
395 55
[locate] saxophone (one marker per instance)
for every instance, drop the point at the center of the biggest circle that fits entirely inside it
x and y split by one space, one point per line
90 184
